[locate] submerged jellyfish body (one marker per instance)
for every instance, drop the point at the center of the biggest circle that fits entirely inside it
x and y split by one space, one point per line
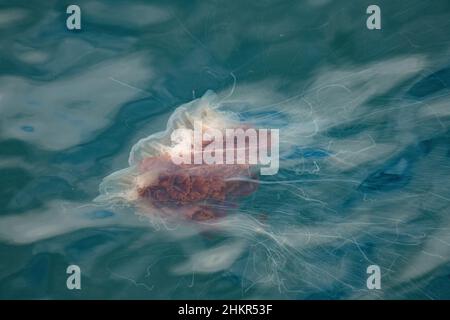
158 186
198 192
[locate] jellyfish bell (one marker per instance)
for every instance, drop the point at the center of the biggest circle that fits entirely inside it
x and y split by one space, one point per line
158 186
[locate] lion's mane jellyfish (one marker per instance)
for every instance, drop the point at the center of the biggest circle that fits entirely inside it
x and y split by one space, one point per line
198 192
156 185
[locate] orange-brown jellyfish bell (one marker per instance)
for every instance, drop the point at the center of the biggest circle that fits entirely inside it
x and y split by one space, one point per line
157 185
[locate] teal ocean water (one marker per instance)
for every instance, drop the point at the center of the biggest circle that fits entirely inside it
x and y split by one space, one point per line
363 116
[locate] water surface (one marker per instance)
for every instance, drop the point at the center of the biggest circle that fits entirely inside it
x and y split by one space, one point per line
364 121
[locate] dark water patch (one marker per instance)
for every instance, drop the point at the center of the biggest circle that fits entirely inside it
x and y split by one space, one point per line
13 181
38 191
435 83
